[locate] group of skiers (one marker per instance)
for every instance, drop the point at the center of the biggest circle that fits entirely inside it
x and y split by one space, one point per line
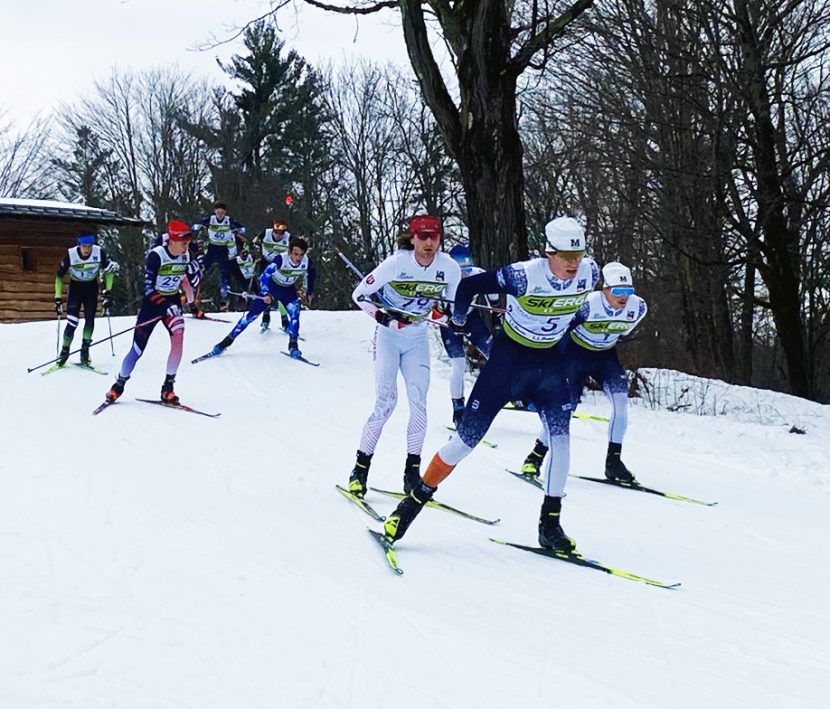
173 271
555 331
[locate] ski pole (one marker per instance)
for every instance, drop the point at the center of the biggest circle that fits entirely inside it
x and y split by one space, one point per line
98 342
246 295
383 302
58 340
109 325
425 297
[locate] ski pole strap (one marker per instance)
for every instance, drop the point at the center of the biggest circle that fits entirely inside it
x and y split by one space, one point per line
98 342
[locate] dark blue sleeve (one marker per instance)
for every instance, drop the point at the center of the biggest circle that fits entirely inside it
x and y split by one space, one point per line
483 283
310 277
581 315
151 271
236 225
267 273
204 222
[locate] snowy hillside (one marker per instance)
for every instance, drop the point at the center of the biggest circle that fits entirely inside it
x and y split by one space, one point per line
156 559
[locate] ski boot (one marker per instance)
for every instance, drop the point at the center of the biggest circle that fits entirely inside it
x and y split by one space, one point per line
411 472
293 349
530 468
64 355
360 473
197 312
222 346
407 510
224 304
457 412
614 467
264 326
85 360
116 389
168 396
551 534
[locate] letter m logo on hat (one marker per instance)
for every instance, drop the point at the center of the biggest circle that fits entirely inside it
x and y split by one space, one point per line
575 243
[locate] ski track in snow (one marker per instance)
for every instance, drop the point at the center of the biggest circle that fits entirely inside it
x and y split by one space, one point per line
153 558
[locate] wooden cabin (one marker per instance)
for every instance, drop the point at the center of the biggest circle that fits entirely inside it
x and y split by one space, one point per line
34 237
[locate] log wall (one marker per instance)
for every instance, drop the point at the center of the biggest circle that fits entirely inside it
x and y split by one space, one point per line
30 294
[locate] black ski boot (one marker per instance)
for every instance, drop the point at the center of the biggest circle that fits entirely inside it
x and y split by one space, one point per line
117 389
222 346
85 360
551 534
360 473
457 412
411 472
534 460
168 396
294 348
64 355
407 510
614 467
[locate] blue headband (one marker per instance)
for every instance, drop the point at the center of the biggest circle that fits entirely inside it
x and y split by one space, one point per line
86 239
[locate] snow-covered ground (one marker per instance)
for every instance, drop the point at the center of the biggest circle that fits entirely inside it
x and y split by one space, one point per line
155 559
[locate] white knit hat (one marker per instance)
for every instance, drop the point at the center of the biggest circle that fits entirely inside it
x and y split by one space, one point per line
564 234
615 274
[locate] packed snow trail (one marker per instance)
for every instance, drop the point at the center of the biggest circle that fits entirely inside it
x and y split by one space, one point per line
154 559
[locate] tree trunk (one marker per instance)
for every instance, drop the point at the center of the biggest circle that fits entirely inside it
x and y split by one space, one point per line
780 244
493 176
482 136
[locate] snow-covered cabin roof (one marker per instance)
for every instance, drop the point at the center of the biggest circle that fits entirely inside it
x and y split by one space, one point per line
65 211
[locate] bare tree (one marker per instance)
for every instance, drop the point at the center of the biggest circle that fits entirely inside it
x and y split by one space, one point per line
491 44
24 159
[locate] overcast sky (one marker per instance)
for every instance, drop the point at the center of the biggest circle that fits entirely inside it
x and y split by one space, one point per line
55 49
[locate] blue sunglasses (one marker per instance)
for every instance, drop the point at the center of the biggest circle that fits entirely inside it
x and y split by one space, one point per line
622 290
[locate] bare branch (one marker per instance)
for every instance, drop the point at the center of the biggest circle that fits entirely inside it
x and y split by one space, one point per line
544 36
353 10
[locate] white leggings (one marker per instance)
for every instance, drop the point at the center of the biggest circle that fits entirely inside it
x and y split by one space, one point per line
406 350
556 462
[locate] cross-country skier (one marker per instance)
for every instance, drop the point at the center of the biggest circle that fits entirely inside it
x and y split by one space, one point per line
246 263
543 295
86 264
475 330
399 294
272 242
278 283
222 231
165 274
603 318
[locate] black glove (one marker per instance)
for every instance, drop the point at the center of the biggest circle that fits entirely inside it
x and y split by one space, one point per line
58 306
106 300
456 328
174 310
390 320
